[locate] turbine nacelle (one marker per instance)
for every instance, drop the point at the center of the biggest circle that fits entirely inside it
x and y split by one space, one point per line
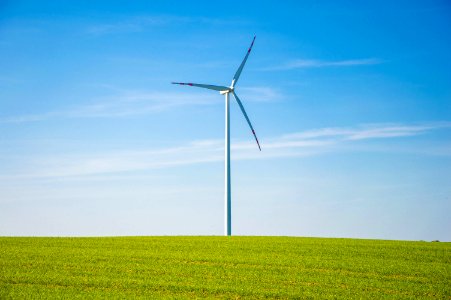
226 91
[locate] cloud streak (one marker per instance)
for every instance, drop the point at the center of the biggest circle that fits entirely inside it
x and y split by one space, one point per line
143 23
317 63
134 103
304 143
371 131
135 24
130 103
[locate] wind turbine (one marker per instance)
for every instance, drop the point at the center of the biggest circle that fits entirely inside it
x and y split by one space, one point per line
223 90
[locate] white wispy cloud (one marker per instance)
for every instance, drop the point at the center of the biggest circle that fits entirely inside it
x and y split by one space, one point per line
141 102
304 143
134 24
126 103
144 22
259 94
369 131
318 63
135 102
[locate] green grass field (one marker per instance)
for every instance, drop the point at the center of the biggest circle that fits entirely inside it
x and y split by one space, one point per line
221 267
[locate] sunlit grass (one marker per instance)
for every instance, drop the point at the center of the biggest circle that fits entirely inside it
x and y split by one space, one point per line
221 267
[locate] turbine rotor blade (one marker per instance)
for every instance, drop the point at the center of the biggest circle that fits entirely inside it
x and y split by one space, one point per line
240 69
247 119
205 86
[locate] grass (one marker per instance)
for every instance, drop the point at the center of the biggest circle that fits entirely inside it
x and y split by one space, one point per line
221 267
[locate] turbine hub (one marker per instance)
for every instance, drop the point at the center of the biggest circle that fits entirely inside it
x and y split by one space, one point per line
226 91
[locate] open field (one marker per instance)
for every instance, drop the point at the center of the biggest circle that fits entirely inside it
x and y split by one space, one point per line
221 267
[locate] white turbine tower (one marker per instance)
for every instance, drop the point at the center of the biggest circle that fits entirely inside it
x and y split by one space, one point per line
223 90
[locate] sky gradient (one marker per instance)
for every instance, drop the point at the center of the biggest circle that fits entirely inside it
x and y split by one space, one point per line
351 103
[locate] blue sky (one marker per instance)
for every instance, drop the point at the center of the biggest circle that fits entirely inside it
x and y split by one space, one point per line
350 101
